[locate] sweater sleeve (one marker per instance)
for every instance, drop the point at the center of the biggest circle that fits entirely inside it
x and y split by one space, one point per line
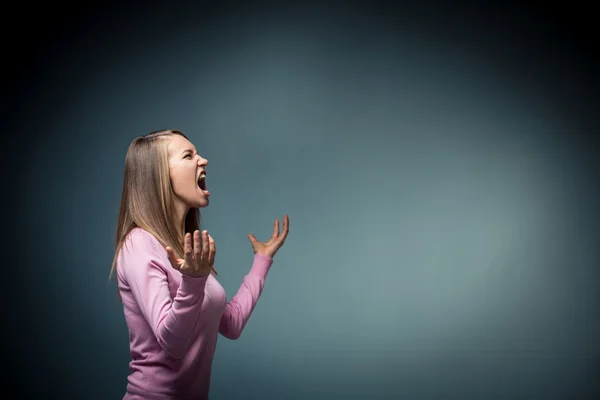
240 307
171 319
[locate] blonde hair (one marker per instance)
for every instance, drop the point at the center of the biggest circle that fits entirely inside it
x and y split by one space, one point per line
147 197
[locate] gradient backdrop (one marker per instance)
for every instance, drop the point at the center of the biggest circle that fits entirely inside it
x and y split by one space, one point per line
437 165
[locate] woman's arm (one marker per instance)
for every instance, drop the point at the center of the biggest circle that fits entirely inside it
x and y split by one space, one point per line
240 307
143 268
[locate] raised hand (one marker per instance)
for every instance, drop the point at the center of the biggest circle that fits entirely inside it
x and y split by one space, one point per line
270 247
199 260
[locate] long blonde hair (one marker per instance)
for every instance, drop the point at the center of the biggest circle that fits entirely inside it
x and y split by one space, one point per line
147 197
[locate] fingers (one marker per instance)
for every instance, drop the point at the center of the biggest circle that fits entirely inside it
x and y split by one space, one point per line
254 242
275 229
205 246
286 225
212 252
187 249
197 246
286 229
172 258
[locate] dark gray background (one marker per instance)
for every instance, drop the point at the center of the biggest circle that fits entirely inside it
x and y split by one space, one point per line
438 166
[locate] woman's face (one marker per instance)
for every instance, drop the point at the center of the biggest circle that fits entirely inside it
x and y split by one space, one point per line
188 171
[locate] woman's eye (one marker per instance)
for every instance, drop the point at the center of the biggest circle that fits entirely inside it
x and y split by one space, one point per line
188 156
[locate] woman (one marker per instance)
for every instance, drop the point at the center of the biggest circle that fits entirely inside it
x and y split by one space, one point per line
173 305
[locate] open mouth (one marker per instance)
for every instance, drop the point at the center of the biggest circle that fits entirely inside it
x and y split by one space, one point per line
202 181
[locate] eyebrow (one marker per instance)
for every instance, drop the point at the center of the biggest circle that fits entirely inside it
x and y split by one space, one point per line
187 150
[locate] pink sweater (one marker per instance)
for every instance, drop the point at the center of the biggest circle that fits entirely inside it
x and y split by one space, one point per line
174 320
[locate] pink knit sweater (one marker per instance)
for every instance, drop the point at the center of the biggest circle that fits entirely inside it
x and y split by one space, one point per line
174 320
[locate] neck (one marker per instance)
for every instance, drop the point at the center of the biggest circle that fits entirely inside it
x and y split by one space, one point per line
180 212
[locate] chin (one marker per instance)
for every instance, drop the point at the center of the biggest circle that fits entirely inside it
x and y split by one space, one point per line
202 203
198 203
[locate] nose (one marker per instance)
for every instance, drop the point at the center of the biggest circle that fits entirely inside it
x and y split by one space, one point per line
203 162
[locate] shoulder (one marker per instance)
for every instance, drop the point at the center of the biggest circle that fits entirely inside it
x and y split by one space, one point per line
140 240
141 248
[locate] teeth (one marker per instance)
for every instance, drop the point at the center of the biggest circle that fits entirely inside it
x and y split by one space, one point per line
201 181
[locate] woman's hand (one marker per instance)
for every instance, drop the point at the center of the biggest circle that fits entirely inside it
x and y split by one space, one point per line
270 247
199 261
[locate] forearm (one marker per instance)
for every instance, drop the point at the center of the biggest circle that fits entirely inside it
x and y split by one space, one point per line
239 309
175 325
